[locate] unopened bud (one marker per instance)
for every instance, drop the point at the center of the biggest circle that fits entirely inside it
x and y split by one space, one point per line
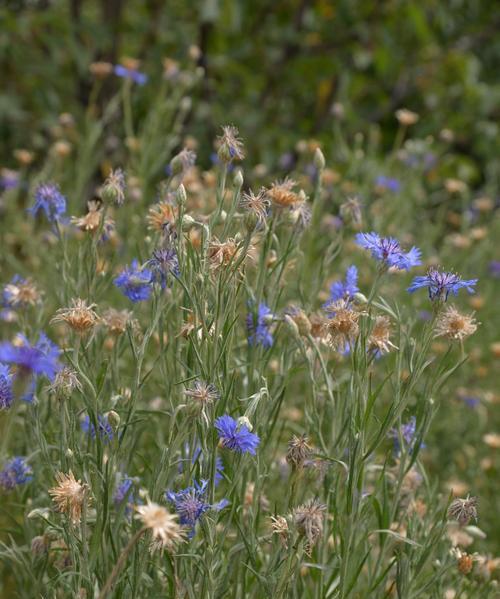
319 159
238 179
188 223
69 453
244 421
180 195
113 419
360 299
291 325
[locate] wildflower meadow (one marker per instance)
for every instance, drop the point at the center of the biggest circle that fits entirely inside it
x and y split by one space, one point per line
249 278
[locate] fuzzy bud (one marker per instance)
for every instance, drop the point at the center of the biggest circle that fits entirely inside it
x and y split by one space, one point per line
180 195
238 179
319 159
113 419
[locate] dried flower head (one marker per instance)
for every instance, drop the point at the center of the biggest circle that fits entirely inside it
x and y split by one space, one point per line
343 328
20 293
91 222
79 316
230 145
462 510
69 496
182 162
309 519
101 69
203 393
455 326
299 451
301 319
163 525
113 189
257 205
406 117
65 382
224 254
379 339
279 526
350 211
282 195
117 321
161 214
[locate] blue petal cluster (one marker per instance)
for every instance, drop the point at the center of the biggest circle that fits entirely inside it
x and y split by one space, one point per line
440 284
6 391
15 472
191 504
259 326
103 427
132 74
388 183
50 200
344 289
163 263
408 431
135 282
388 250
40 359
236 437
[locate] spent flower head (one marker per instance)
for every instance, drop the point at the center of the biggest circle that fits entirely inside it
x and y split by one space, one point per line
80 316
113 189
230 145
20 293
309 519
454 325
463 510
163 525
69 495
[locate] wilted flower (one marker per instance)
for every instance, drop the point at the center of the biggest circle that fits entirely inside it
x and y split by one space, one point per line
387 250
65 382
236 437
462 510
282 195
6 391
69 495
440 284
191 504
309 519
406 117
113 189
101 69
279 526
116 321
455 326
91 222
230 145
203 394
256 205
80 316
182 162
15 472
299 451
350 211
161 214
135 282
162 524
342 328
259 325
20 293
223 254
50 200
103 427
379 340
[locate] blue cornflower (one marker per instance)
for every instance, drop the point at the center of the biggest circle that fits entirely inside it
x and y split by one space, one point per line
259 325
494 268
440 284
49 199
235 436
103 427
40 359
124 493
191 504
388 251
164 262
6 392
344 290
15 472
132 74
135 282
407 434
388 183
